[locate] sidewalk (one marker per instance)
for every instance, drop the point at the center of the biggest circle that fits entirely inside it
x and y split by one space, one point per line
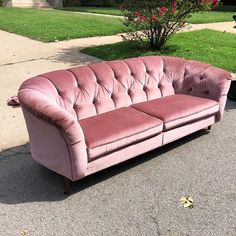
221 26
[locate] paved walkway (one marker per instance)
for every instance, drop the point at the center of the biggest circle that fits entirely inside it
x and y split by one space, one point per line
115 201
221 26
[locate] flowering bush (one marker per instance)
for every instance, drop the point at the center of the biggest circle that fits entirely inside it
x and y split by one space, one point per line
157 20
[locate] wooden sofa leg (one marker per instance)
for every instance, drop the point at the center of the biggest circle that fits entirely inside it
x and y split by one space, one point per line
209 128
67 186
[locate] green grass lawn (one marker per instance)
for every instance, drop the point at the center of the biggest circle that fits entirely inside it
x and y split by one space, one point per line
213 47
222 14
98 10
211 16
51 25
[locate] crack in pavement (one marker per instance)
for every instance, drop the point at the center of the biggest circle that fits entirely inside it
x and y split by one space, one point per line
18 62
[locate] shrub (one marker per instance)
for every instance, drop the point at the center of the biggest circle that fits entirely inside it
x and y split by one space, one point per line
1 3
157 20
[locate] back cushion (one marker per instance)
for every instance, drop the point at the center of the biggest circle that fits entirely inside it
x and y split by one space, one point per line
97 88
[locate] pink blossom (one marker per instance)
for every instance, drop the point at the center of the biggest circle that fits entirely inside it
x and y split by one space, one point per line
154 18
163 10
137 14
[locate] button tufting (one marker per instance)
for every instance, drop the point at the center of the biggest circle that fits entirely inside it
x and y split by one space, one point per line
201 77
190 89
207 91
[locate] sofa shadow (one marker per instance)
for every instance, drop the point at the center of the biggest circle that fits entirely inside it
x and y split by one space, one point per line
74 57
230 105
23 180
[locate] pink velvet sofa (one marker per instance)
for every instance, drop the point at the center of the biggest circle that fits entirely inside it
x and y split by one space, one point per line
88 118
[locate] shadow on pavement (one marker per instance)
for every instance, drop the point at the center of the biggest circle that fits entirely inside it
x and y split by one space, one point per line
230 105
74 57
23 180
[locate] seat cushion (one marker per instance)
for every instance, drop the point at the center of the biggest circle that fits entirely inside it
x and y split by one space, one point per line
115 129
179 109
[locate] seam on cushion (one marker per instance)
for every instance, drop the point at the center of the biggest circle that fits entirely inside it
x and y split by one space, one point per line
188 122
120 148
177 118
130 135
193 113
137 141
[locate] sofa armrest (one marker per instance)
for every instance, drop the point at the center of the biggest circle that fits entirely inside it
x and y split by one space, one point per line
44 108
205 81
56 137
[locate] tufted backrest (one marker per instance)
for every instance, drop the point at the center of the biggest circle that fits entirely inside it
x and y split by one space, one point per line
97 88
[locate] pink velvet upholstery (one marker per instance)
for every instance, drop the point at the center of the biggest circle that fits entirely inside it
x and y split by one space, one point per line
124 154
176 110
57 106
114 129
179 132
52 147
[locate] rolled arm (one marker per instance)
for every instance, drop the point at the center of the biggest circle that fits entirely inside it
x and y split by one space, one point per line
44 108
57 139
203 80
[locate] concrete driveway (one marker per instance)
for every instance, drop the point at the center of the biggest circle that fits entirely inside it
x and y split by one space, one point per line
138 197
